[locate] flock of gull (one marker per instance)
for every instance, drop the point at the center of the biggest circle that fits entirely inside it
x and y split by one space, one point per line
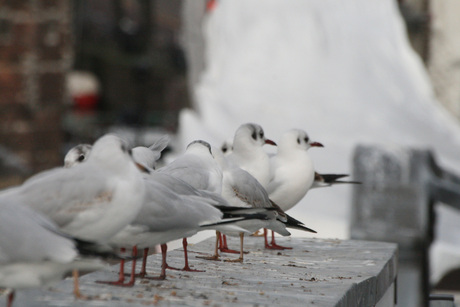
111 201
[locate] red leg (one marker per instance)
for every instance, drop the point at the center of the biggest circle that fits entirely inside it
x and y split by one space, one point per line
186 266
10 299
224 248
164 250
143 271
121 278
273 244
132 279
265 238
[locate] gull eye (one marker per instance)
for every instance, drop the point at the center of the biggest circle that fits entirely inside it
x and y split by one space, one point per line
81 158
298 141
254 135
261 134
306 139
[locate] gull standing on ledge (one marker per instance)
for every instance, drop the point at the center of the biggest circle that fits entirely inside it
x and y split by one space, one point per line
91 201
248 153
33 252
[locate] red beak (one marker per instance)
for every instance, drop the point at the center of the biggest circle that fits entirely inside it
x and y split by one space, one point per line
270 142
316 144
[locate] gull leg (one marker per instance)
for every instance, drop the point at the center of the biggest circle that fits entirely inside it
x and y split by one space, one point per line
76 286
143 271
257 233
186 266
273 244
224 248
133 269
164 250
9 302
214 257
121 276
240 259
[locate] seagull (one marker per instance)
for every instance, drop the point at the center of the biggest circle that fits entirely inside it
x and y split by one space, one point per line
166 215
292 173
291 170
91 201
150 155
34 252
241 189
248 153
77 154
227 147
197 167
173 209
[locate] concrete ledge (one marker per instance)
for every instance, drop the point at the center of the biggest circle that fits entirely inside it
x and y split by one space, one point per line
317 272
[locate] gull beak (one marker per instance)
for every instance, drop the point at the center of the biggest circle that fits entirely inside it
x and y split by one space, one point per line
316 144
142 168
270 142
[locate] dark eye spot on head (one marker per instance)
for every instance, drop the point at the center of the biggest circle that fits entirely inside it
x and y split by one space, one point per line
81 158
261 134
254 135
306 139
224 148
130 152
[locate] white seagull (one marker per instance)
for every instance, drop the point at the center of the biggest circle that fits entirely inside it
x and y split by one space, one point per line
291 170
77 154
165 216
172 209
197 167
91 201
33 252
248 153
241 189
292 173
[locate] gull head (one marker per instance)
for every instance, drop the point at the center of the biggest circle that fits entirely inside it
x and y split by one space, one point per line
227 146
145 156
199 146
297 139
112 152
250 135
77 154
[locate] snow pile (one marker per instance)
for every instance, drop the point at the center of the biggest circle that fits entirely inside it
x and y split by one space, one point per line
341 70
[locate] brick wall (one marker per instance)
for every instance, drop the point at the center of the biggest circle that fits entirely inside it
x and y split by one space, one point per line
35 54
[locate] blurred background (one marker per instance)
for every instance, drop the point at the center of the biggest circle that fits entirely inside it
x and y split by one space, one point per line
348 73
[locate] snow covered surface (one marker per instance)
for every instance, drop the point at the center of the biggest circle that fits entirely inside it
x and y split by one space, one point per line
341 70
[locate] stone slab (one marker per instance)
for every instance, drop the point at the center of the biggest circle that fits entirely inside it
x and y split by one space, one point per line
317 272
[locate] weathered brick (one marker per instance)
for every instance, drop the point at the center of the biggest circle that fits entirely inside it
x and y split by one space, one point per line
52 40
50 4
21 5
51 89
11 87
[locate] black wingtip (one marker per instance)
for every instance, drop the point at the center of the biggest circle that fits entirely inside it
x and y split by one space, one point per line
293 223
87 248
